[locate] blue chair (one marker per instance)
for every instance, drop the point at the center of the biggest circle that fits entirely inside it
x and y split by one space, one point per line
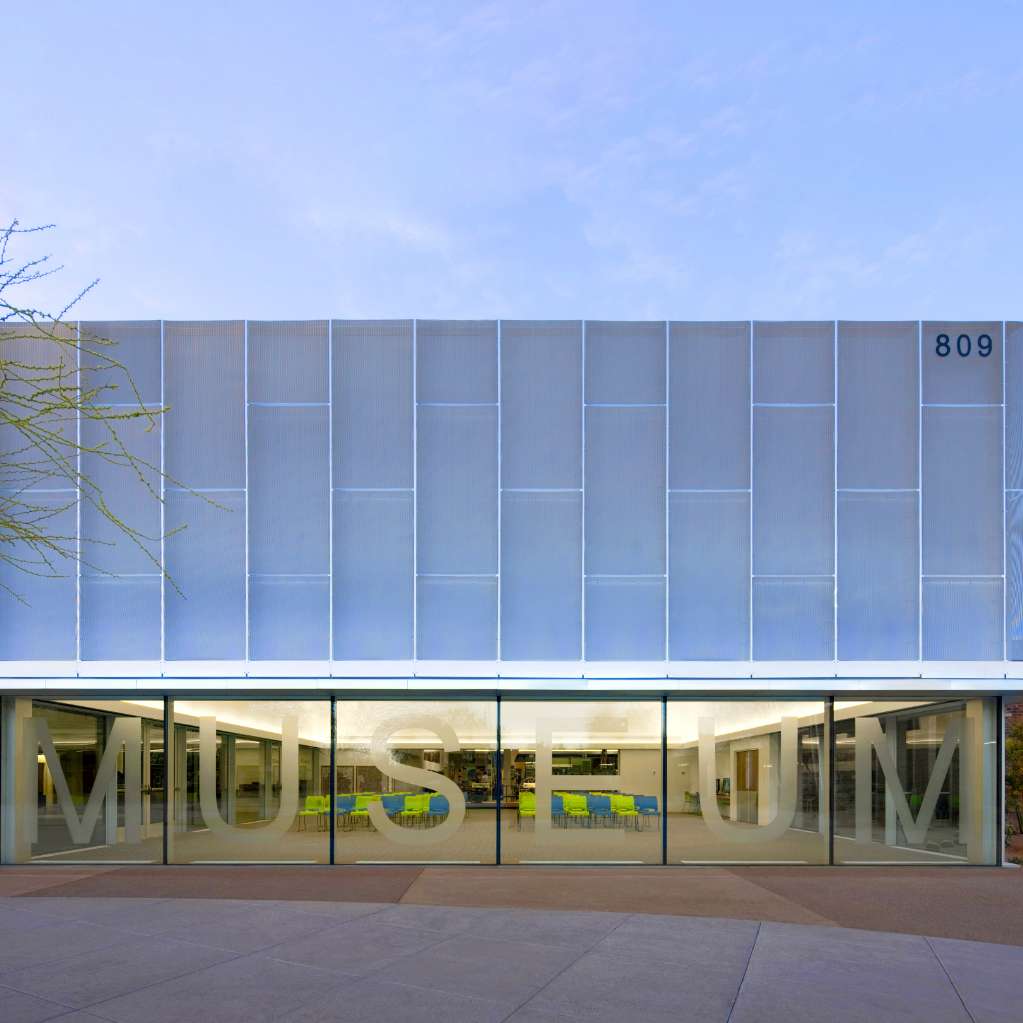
599 807
392 804
343 806
438 809
557 809
647 806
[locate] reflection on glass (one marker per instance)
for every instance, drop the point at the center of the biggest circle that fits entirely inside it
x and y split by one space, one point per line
93 770
747 782
915 781
581 781
416 781
251 781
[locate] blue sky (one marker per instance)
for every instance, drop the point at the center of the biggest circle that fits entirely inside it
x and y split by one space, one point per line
552 159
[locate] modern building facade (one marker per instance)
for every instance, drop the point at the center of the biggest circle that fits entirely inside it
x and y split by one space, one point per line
523 591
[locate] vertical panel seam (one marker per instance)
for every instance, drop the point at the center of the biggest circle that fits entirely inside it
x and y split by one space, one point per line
582 514
78 498
667 492
415 496
245 387
499 485
834 505
330 504
920 485
1005 517
752 553
163 511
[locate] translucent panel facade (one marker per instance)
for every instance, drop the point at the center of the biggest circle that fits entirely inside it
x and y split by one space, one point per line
552 492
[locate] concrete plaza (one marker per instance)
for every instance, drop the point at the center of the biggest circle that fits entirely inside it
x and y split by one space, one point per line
85 944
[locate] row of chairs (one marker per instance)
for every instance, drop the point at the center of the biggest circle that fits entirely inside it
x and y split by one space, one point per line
408 809
607 809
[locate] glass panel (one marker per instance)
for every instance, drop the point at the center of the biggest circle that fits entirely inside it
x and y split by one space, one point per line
581 782
878 405
287 360
747 782
625 453
541 567
794 362
793 618
709 406
93 772
915 781
372 367
248 782
793 491
964 375
37 621
120 617
457 490
878 577
456 361
204 387
625 362
962 491
962 619
1014 406
416 781
541 395
289 617
373 588
1014 575
205 613
709 576
456 618
624 618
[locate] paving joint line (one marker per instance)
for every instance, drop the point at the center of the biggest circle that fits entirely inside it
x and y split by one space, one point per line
962 1000
742 979
585 952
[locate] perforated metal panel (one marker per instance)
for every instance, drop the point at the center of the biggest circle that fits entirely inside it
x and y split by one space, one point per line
962 491
624 619
878 399
135 345
1014 406
120 617
289 617
878 576
457 490
794 362
206 560
132 496
289 490
373 584
541 564
204 386
372 368
287 360
793 619
541 396
962 619
625 484
963 375
793 491
456 361
625 362
456 618
709 577
709 406
1014 575
41 625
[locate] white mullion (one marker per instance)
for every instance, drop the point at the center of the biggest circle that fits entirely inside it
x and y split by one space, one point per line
582 507
751 407
834 556
163 506
330 492
920 489
78 491
245 387
499 483
667 490
415 497
1005 522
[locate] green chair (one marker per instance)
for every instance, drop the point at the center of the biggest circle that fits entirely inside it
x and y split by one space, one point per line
416 808
361 811
624 809
575 808
315 806
527 806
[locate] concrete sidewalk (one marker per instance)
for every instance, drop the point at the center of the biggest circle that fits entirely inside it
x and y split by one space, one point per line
87 959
